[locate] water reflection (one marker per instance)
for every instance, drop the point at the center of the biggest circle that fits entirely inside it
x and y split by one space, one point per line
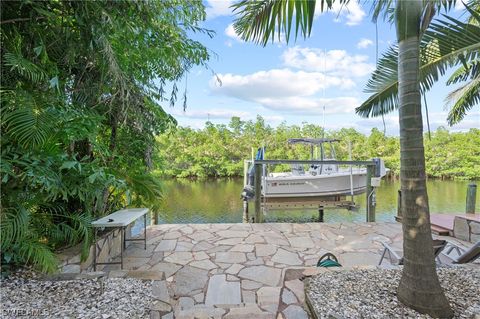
218 201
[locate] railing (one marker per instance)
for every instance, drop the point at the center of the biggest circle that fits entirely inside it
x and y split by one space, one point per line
259 168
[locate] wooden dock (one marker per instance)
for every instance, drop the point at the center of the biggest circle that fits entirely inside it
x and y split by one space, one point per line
442 224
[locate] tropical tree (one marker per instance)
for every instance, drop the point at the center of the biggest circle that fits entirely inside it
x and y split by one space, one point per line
445 44
82 88
419 286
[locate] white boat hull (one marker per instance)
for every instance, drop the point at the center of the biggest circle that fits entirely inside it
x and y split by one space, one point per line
335 184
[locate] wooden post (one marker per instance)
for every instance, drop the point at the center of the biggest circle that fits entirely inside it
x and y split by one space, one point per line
471 198
258 193
245 210
320 214
370 207
399 205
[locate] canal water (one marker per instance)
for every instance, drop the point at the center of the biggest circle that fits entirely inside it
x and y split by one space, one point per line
218 201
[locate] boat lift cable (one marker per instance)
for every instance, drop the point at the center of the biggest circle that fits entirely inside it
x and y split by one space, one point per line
264 180
351 167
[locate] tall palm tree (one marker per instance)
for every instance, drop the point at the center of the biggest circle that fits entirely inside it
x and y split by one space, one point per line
419 286
446 43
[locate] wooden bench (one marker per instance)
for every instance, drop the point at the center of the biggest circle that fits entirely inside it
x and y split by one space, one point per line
120 219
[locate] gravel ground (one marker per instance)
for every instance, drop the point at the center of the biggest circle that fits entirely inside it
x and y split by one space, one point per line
372 293
31 297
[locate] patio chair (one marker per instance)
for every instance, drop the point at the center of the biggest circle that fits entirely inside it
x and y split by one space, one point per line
463 256
438 246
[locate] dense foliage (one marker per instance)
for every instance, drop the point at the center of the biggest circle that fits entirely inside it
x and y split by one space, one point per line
81 88
219 150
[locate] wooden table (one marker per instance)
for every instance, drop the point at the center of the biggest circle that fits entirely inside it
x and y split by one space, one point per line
120 219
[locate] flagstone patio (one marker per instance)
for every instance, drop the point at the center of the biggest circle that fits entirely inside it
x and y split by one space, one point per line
238 270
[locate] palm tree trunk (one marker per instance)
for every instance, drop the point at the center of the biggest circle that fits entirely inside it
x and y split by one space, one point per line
419 286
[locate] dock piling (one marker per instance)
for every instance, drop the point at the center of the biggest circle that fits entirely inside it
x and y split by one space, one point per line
320 214
370 205
471 199
258 193
399 205
245 210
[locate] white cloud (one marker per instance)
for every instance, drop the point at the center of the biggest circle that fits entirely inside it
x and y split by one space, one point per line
437 119
230 32
364 43
352 12
311 106
211 113
217 8
273 118
300 91
334 62
276 83
287 91
365 125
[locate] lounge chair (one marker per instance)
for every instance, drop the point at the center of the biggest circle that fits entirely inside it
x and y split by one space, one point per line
463 256
438 246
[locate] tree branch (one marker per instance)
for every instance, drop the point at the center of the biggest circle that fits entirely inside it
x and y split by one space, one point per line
19 20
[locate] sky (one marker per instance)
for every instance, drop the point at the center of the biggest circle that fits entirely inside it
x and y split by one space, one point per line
318 80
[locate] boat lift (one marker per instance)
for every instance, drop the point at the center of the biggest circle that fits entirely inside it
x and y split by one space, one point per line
317 202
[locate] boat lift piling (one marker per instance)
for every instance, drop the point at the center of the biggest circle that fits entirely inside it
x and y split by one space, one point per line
321 202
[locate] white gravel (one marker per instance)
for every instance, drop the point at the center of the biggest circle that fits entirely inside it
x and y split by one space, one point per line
371 293
121 298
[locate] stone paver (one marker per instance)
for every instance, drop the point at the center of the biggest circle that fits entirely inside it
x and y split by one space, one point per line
160 291
265 249
246 248
204 264
288 297
180 257
268 298
295 312
189 279
296 286
222 292
237 270
285 257
248 312
166 245
267 275
234 269
230 257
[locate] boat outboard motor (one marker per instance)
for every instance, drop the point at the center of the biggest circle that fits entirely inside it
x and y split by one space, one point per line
249 191
380 170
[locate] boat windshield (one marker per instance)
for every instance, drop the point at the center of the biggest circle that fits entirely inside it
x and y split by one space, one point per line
311 141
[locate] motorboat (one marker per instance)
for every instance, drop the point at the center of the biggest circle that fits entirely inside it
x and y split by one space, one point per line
313 180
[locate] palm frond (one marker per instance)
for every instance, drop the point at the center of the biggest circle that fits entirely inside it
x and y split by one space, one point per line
145 185
463 99
469 70
37 254
384 85
445 44
13 226
24 67
30 124
260 21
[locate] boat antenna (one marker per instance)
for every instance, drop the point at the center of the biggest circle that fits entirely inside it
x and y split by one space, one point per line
323 131
324 74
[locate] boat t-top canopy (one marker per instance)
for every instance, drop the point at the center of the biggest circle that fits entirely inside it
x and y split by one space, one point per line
311 141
